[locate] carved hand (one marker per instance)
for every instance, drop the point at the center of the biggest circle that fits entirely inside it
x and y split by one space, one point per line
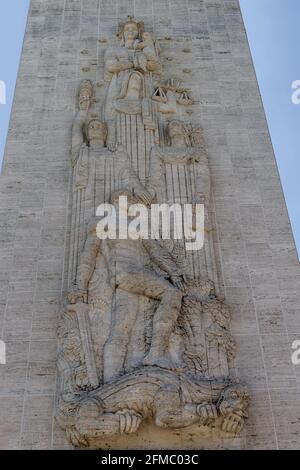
178 282
77 295
126 65
118 66
233 423
76 438
81 378
145 197
140 62
207 413
111 145
129 421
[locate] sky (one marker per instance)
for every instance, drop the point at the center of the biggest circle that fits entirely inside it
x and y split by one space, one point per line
13 17
273 33
274 36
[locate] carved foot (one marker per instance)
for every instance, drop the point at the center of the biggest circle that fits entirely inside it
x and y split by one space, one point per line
130 421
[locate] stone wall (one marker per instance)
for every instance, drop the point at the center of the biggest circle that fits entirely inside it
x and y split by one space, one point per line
206 45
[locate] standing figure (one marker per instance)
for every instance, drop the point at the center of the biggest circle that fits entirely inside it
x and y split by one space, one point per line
130 68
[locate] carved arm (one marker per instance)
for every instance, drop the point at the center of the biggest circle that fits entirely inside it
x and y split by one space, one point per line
180 158
87 261
205 414
84 102
114 65
135 184
77 135
162 258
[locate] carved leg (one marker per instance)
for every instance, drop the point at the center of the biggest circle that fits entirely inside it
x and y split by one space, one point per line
171 412
115 349
163 324
155 287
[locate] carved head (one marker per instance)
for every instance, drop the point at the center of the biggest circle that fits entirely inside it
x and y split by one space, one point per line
130 30
176 130
234 400
96 132
135 84
147 37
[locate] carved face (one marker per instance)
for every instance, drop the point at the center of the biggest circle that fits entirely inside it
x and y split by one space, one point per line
130 31
84 95
135 82
147 37
235 399
96 131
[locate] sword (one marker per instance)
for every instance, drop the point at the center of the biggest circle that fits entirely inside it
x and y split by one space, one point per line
81 309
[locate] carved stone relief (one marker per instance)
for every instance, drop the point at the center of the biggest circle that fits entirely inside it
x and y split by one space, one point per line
144 333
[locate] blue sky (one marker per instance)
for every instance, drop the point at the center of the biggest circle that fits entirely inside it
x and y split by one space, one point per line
274 35
13 17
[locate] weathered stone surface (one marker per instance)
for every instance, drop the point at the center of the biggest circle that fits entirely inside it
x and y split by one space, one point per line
204 46
144 334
